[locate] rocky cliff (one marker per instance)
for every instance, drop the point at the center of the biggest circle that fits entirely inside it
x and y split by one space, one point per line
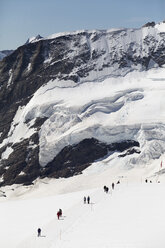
66 61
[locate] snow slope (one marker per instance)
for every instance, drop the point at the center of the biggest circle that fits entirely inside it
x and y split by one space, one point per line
130 216
112 52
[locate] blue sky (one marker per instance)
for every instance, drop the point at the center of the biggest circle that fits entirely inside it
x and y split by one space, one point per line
21 19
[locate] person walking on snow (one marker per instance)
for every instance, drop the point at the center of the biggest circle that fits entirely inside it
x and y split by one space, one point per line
60 211
58 215
113 185
84 199
88 199
39 232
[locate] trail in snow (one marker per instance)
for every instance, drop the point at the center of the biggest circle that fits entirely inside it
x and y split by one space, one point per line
132 216
55 229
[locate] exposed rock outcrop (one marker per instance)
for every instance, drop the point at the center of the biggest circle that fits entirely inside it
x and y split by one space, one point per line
78 57
72 160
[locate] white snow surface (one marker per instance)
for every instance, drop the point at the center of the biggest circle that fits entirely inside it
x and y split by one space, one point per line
158 28
7 152
110 46
132 215
34 39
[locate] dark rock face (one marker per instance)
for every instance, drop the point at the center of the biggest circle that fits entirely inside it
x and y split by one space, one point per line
73 159
69 57
149 24
23 165
129 152
5 53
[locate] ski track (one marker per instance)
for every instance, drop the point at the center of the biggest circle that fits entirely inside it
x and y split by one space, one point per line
69 221
127 217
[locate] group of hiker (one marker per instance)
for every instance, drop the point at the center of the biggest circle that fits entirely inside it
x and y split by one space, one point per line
86 199
150 181
106 189
147 181
59 214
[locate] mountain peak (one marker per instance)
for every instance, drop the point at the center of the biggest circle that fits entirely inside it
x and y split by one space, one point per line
34 39
149 24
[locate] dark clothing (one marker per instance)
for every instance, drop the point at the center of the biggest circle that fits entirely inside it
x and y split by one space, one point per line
58 215
60 212
88 199
39 232
84 199
113 185
105 188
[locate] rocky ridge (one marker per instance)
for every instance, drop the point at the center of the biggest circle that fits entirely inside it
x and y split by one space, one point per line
78 57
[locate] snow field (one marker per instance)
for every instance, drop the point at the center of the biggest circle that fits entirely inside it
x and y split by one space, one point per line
23 217
130 216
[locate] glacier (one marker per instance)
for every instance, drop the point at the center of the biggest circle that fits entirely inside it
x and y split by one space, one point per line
101 84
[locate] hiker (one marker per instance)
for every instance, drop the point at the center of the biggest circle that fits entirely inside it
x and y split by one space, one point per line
118 182
107 189
39 232
58 215
88 199
146 180
60 211
104 188
113 185
84 199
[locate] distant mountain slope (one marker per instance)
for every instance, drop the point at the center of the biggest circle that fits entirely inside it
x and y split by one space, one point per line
5 53
87 86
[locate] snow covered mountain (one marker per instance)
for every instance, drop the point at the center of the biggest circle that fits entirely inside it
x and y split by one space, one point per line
34 39
88 97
